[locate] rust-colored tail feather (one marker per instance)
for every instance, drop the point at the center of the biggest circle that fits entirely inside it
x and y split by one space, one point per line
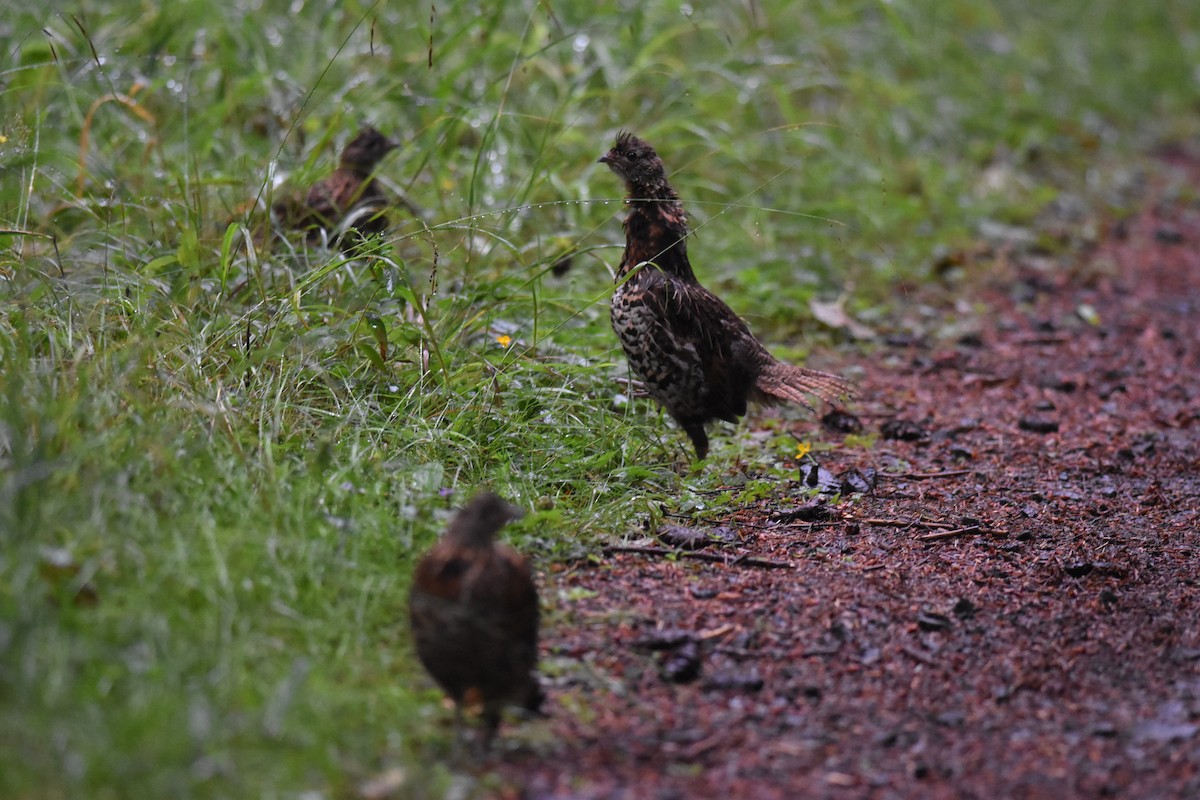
784 383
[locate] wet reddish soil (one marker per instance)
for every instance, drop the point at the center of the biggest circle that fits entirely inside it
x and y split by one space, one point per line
1013 612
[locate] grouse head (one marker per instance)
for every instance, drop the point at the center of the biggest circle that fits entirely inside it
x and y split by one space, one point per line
478 522
635 162
367 149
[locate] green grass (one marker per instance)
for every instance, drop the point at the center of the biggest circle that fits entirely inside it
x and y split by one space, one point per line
220 452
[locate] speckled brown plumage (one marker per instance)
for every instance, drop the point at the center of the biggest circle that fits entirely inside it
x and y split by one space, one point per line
474 613
696 357
349 193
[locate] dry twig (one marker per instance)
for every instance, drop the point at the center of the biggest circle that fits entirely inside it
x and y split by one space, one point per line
712 558
950 534
948 529
918 476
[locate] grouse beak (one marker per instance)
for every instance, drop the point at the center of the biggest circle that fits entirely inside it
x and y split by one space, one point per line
604 159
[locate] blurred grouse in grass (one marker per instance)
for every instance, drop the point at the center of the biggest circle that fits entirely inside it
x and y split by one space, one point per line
350 195
474 613
695 356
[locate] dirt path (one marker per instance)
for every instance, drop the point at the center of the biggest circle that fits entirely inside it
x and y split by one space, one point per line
1038 635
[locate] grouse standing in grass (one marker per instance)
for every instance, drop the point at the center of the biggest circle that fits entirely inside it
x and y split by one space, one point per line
348 198
695 356
474 613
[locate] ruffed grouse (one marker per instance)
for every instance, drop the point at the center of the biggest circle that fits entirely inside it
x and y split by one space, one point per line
474 613
350 194
696 357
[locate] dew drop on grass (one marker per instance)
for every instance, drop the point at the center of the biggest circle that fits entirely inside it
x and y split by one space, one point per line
581 43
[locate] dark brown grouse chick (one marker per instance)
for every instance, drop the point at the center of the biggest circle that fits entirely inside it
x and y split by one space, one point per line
474 613
350 194
695 356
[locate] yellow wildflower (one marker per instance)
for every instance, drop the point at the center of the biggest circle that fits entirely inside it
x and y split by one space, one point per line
504 339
